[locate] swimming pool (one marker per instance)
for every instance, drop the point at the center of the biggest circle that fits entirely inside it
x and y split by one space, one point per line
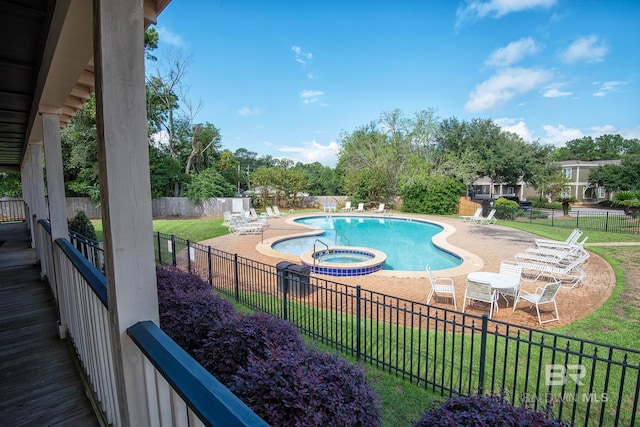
406 242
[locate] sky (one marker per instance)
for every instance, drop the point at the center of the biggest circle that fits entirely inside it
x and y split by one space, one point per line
289 78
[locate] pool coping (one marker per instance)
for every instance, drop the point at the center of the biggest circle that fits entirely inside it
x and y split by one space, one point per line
470 261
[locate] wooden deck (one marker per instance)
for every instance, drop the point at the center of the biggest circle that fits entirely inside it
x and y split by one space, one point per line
39 382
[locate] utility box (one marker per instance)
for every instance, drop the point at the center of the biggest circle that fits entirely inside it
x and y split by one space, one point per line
293 278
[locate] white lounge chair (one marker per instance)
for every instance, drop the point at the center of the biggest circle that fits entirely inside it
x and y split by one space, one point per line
489 219
471 218
571 274
479 291
276 210
541 296
360 207
240 227
570 241
551 256
270 212
347 207
380 208
441 285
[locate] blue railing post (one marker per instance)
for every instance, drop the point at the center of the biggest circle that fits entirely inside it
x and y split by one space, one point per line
483 352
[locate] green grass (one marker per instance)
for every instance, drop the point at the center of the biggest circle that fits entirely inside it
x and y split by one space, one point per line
196 230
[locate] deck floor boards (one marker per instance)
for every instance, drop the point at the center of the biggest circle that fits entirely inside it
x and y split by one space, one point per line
39 382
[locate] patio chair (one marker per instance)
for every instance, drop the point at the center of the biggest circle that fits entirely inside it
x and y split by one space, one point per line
472 218
276 210
479 291
270 212
240 227
571 274
347 207
441 285
546 295
380 208
509 268
360 207
570 241
489 219
552 256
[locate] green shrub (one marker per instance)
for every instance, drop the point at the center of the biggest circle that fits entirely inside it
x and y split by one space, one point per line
81 225
439 195
505 208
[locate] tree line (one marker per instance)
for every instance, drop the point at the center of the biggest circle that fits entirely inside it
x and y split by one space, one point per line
425 160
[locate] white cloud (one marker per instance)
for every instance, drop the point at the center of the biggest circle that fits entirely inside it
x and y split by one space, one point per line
311 96
553 91
606 87
585 49
559 135
517 126
301 56
478 9
248 111
165 35
503 86
311 152
512 53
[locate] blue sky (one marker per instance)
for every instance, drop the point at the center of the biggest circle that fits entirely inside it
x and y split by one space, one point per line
288 78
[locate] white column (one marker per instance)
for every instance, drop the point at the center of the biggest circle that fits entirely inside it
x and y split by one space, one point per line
38 208
57 203
125 190
26 180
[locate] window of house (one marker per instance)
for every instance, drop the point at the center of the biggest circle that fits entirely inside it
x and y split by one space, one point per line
566 172
601 192
510 191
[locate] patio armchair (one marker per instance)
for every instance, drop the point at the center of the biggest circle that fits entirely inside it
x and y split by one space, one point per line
546 295
510 268
441 285
480 291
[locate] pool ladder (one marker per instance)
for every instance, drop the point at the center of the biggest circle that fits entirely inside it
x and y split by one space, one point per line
314 252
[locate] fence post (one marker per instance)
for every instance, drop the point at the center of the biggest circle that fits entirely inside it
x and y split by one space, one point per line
188 255
159 248
210 264
483 353
553 214
606 222
358 322
236 277
577 219
173 251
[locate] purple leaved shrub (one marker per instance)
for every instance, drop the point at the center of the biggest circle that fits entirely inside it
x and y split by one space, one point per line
188 310
230 344
485 410
309 388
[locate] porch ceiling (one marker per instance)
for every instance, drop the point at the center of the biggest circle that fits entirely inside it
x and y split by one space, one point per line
46 64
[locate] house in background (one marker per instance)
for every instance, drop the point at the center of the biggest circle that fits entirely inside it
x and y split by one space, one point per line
577 172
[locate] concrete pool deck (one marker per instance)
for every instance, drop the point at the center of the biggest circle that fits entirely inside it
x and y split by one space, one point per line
482 248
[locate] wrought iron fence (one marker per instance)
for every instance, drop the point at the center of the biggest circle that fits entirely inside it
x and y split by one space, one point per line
12 210
91 249
449 352
591 219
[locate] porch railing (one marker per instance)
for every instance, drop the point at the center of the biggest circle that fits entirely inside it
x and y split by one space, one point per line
12 210
178 390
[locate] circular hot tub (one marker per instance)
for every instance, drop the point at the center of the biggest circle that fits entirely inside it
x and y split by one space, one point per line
344 261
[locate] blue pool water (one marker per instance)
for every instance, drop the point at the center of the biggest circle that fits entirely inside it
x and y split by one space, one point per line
407 243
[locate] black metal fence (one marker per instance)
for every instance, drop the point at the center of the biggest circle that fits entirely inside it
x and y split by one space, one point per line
12 210
588 220
448 352
92 250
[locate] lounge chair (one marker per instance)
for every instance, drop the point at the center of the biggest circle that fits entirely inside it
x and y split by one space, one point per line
489 219
276 210
541 296
571 240
571 273
441 285
480 291
472 218
270 212
240 227
551 256
360 207
347 207
380 208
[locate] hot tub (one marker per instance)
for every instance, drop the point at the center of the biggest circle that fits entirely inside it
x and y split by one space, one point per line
344 261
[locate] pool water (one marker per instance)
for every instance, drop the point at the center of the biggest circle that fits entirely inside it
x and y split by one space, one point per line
344 259
406 242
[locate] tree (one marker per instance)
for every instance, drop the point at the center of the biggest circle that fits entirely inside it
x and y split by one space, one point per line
623 177
207 184
10 185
